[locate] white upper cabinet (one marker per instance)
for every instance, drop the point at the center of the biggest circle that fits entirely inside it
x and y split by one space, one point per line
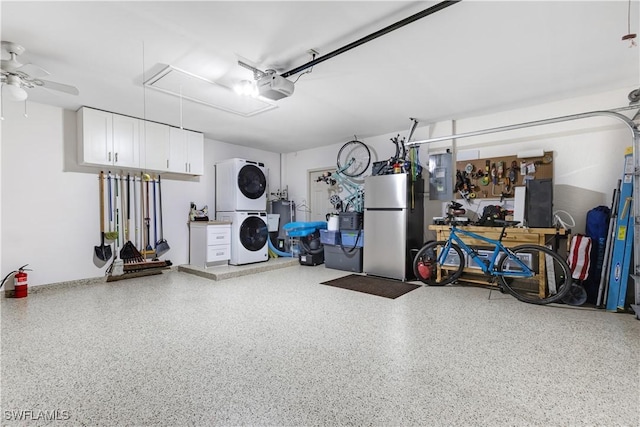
126 141
195 152
156 137
187 149
178 152
95 137
107 139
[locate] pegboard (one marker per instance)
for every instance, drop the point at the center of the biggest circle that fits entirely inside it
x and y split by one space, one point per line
496 176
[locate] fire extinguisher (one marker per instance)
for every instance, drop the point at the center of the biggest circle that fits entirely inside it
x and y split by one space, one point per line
21 287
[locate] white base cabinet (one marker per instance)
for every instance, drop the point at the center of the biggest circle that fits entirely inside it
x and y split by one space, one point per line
209 243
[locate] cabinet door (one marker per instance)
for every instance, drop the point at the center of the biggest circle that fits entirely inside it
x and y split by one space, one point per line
156 146
96 133
126 141
178 151
195 153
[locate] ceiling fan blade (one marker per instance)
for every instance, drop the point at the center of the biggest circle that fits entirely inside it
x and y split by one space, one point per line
33 70
71 90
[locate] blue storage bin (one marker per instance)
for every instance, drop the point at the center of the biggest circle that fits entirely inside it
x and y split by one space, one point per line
301 229
352 239
330 237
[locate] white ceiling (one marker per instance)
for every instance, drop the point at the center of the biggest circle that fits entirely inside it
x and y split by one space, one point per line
473 57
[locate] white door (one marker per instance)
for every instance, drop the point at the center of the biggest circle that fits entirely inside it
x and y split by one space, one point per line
319 195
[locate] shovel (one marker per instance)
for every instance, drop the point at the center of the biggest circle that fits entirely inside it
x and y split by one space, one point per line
103 252
161 245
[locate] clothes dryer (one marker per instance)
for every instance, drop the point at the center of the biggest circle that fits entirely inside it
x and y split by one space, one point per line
249 236
241 185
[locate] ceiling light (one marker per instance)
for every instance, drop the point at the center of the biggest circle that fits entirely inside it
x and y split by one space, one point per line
192 87
246 88
14 92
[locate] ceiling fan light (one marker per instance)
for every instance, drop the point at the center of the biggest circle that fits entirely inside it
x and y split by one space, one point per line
15 92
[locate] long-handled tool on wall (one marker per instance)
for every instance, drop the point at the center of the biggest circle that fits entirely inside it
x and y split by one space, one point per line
136 234
155 217
110 235
161 245
117 265
129 253
148 250
103 252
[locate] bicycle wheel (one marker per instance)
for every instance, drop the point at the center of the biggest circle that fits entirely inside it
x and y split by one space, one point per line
425 264
551 281
353 158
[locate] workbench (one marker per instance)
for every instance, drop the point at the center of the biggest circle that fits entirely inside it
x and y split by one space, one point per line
514 236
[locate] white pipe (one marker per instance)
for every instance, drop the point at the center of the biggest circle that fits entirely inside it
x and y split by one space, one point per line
608 113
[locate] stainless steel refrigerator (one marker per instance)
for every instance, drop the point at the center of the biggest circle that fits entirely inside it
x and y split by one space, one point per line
393 225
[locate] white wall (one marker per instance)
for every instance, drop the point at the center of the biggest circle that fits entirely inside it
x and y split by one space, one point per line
588 153
50 205
49 214
296 165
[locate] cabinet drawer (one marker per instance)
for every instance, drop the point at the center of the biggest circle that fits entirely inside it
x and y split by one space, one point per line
218 235
218 253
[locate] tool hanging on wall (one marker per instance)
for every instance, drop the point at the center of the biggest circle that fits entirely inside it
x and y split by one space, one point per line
148 250
162 246
136 235
116 267
110 235
102 251
129 253
155 216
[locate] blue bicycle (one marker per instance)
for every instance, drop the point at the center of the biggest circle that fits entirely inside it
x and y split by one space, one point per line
531 273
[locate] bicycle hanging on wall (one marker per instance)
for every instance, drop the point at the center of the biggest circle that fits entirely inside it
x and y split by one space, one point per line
352 161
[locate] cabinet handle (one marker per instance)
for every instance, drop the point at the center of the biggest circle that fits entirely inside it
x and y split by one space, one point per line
167 163
109 156
185 167
116 157
189 167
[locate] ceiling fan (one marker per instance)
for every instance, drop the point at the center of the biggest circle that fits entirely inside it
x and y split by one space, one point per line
15 76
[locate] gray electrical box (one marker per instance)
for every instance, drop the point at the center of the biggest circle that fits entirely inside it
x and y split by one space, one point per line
440 176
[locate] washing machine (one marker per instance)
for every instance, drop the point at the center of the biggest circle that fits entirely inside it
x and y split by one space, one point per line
241 185
249 236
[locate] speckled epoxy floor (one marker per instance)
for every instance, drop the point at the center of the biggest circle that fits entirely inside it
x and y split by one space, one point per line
278 348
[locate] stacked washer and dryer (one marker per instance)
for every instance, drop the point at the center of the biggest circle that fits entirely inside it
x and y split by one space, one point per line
241 198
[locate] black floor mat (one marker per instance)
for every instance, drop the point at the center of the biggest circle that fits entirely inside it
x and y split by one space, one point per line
379 286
